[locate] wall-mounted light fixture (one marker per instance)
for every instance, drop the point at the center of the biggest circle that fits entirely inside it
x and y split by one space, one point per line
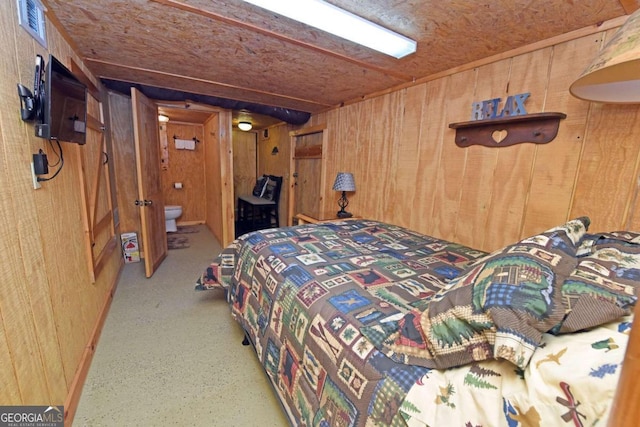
245 126
162 118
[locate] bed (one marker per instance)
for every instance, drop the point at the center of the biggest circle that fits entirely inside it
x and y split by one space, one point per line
363 323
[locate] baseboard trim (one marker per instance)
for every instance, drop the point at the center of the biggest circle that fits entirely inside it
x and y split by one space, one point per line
73 397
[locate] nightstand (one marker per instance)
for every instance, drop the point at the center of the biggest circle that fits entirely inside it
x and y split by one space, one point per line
316 218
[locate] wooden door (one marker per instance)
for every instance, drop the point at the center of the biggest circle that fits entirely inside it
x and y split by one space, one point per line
95 179
306 178
308 169
96 189
124 161
150 201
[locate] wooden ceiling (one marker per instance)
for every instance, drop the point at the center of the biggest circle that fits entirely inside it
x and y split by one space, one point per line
231 49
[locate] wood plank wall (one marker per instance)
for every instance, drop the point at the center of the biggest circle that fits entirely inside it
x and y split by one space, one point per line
186 167
244 162
408 170
218 155
48 305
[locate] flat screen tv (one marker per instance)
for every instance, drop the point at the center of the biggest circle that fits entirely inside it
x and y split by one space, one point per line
62 103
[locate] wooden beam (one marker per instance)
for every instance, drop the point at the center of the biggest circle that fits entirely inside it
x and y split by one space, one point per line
194 79
104 256
86 219
103 223
94 123
96 190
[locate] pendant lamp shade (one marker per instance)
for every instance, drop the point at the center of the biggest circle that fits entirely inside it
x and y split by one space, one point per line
614 75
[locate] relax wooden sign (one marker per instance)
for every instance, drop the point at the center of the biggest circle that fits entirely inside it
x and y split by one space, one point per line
493 109
495 123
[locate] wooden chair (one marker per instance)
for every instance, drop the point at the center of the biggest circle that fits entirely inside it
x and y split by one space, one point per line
260 212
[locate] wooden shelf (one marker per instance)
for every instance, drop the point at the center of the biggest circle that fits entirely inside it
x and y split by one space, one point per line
539 128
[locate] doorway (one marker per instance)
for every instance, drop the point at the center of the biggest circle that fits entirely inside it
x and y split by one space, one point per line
214 148
308 166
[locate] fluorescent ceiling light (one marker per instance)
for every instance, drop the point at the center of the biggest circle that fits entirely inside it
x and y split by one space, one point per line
341 23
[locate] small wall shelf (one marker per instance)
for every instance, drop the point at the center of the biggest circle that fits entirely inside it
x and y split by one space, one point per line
538 128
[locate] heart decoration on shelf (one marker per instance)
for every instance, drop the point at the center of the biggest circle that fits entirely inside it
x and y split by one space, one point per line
499 135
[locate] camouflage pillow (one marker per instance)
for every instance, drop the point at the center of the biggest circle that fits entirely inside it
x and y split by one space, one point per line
498 308
605 283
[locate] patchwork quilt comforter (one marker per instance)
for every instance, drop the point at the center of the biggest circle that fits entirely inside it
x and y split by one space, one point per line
361 323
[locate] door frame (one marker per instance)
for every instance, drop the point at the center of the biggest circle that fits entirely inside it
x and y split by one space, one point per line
295 137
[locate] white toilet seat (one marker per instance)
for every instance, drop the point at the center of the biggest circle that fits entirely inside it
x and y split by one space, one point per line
171 213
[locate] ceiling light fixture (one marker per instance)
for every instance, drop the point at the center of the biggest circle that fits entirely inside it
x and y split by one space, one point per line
162 118
245 126
341 23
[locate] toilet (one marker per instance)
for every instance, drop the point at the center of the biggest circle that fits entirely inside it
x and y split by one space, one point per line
171 213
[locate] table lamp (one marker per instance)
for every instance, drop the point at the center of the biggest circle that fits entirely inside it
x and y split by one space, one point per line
344 182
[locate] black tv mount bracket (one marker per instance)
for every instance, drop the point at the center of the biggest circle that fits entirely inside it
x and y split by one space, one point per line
27 103
30 102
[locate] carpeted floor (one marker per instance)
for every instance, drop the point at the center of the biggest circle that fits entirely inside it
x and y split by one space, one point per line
169 355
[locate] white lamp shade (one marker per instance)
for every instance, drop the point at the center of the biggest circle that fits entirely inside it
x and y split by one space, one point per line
344 182
614 76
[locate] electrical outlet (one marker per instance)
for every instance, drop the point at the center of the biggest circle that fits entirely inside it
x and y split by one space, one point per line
34 178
